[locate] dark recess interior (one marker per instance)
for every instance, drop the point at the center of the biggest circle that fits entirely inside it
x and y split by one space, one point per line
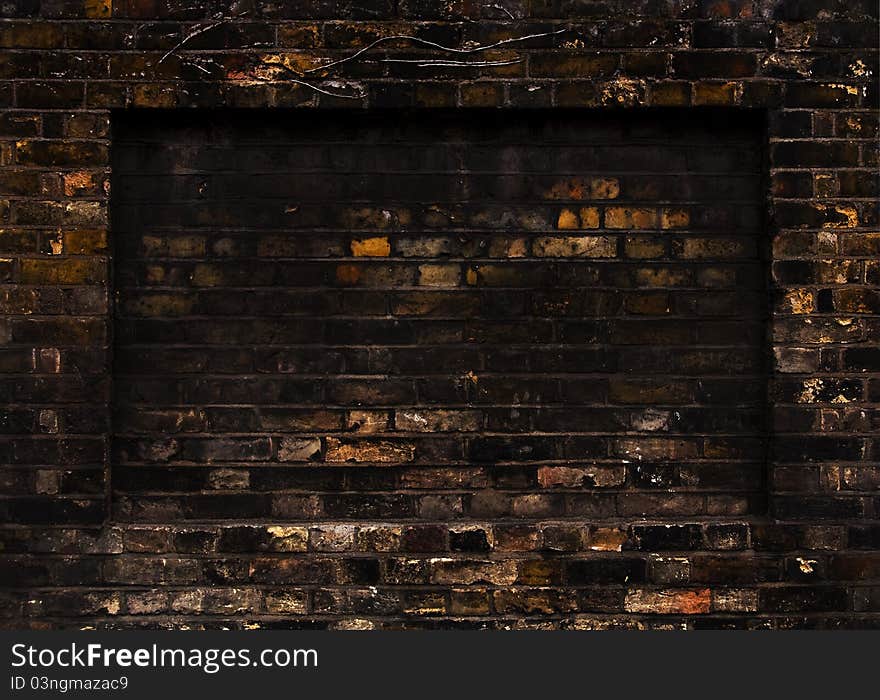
438 316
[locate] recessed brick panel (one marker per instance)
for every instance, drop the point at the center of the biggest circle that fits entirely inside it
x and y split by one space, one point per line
439 317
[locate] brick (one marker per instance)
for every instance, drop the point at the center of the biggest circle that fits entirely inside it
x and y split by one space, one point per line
821 95
704 64
452 571
735 600
570 189
605 570
604 188
553 65
669 602
674 218
299 450
287 602
533 601
65 272
371 247
372 451
55 153
670 93
85 241
32 35
482 94
439 275
716 94
336 538
469 601
433 421
607 539
575 247
575 477
710 248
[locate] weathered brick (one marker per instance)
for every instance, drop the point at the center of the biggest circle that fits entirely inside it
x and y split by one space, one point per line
626 218
369 451
299 449
371 247
56 153
453 571
575 247
66 271
669 601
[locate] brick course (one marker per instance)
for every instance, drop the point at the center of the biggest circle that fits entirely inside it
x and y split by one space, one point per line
283 488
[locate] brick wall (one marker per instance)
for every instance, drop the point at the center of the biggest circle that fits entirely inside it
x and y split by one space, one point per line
440 367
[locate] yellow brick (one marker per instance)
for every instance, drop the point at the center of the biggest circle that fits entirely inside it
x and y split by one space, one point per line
801 301
371 247
589 217
99 9
376 451
586 217
627 218
850 215
567 220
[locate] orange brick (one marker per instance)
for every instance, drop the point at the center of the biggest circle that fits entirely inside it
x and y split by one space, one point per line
572 188
99 9
586 217
348 274
371 247
630 218
669 601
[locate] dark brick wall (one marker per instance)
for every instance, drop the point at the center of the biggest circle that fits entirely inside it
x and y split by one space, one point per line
281 479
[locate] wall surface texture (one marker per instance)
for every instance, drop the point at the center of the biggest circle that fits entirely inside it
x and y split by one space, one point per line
522 314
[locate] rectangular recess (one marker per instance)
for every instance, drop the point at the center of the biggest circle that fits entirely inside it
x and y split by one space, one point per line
438 315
